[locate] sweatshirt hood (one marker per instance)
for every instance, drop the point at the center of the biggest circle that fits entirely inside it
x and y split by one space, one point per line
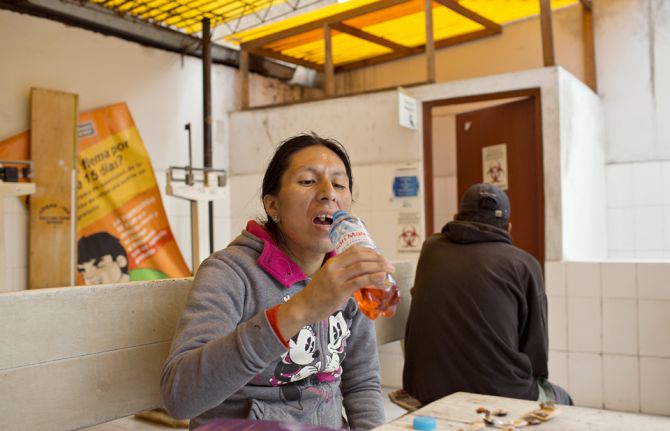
469 232
272 259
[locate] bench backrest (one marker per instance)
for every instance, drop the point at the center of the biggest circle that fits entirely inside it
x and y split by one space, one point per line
74 357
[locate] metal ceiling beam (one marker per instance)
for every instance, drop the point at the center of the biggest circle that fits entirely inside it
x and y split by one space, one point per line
102 20
317 24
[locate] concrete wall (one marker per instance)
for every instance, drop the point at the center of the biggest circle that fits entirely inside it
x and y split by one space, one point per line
163 91
633 61
368 128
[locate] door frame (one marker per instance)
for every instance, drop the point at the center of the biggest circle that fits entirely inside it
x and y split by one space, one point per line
427 113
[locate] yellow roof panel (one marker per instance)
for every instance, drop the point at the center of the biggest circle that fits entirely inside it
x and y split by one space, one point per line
301 37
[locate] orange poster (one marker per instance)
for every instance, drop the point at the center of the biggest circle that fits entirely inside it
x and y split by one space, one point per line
122 230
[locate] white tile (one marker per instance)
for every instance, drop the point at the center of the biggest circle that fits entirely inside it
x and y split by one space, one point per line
647 178
619 185
627 255
584 325
653 280
619 280
620 229
655 385
585 375
650 255
583 279
654 324
554 278
620 326
621 383
558 369
665 185
558 323
649 228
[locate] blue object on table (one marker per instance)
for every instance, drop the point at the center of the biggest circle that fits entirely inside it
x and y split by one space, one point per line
426 423
259 425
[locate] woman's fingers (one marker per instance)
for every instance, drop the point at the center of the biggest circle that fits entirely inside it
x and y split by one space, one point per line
356 255
343 275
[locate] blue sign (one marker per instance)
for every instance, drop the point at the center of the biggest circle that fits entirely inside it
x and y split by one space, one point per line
404 187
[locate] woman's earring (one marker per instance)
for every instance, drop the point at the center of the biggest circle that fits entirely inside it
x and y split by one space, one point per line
276 219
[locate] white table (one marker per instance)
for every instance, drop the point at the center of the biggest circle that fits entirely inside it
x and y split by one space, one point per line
458 412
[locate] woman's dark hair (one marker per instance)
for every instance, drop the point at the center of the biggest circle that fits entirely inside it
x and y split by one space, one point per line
282 158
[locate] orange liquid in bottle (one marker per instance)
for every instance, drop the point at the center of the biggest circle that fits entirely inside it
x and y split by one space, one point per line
374 302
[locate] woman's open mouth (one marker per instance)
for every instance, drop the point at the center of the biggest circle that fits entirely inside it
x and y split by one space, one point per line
323 219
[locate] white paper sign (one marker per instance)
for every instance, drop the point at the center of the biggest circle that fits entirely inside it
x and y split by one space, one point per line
494 165
407 110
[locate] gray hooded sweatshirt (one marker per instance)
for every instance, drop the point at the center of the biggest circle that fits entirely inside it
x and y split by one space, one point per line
227 362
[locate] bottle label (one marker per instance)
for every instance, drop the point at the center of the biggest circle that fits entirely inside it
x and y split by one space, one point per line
347 239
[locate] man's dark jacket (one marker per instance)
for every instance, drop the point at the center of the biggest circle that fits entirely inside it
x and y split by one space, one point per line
478 319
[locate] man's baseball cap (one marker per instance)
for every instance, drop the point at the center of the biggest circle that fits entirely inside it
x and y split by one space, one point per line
486 203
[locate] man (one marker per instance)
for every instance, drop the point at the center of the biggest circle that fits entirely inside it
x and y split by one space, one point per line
478 318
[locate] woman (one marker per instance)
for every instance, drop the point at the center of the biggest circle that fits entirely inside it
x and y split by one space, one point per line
271 330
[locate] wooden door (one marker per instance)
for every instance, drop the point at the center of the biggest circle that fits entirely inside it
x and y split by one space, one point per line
517 126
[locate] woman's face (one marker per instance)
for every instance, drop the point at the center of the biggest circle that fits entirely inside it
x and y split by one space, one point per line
313 188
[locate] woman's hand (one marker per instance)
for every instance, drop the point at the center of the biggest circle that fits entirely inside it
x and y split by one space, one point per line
332 285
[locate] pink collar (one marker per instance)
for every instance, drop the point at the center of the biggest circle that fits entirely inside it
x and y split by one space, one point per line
274 261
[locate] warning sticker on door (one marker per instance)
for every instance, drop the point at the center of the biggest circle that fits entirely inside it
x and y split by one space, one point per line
494 165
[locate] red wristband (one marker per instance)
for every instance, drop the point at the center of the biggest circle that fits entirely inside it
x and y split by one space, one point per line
271 314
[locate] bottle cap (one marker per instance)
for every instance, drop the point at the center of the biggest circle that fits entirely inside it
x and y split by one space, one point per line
424 423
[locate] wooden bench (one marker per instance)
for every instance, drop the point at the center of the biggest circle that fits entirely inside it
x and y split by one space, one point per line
74 357
77 356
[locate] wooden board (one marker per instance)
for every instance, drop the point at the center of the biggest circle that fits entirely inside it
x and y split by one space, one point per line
53 142
458 412
76 357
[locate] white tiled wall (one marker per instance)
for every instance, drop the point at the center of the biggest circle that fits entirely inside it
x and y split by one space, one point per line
638 210
609 342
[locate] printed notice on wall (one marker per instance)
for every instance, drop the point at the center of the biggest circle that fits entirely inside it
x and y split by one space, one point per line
494 165
407 109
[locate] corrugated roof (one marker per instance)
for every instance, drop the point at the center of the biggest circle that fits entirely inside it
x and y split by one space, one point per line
400 23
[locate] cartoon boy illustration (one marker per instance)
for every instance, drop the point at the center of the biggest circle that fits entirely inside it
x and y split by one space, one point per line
102 260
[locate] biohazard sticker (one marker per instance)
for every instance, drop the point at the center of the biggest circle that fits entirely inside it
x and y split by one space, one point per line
409 236
494 165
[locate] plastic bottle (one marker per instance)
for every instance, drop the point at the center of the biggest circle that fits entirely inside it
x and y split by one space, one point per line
346 231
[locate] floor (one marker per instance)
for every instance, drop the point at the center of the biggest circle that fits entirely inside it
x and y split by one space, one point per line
132 424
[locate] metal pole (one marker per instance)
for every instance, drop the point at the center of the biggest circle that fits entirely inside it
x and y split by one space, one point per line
207 113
